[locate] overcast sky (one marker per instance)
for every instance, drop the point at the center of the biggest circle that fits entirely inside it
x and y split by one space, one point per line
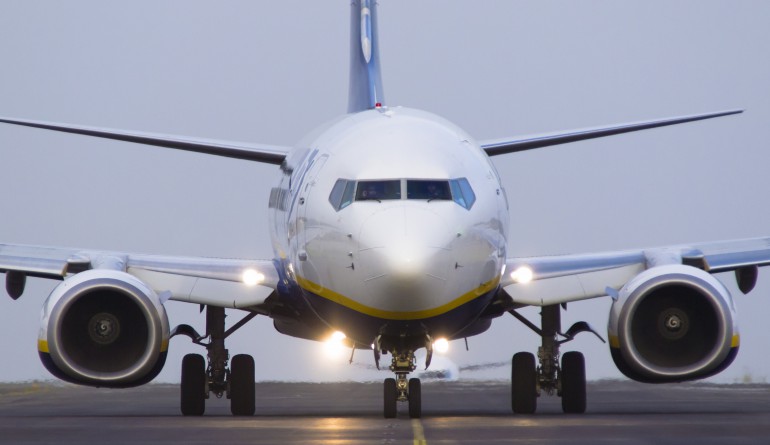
270 71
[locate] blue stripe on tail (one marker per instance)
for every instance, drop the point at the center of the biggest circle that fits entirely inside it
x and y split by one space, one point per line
365 79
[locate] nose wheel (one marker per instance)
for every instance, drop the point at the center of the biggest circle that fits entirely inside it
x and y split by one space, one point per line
401 389
390 398
415 398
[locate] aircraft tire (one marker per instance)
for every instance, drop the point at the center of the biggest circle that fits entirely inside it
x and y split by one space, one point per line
390 398
415 399
193 387
573 383
523 383
242 387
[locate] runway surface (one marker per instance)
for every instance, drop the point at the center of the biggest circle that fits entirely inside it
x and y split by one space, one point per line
350 413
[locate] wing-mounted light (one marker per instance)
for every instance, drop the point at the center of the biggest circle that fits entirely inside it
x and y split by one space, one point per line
522 275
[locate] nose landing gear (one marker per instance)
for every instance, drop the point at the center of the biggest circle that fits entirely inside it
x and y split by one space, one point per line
400 389
236 382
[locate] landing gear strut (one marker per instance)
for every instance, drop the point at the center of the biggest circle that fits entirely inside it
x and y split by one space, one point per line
400 389
199 380
567 380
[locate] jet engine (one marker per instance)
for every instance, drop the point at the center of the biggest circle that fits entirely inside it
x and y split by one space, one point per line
673 323
103 328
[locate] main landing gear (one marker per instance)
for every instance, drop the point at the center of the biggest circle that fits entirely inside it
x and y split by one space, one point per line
567 380
199 380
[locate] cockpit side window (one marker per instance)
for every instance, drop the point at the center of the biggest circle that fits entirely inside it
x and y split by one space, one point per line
462 193
378 190
347 196
427 189
335 198
342 194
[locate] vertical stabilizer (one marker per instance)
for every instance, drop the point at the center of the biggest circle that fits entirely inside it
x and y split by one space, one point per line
365 80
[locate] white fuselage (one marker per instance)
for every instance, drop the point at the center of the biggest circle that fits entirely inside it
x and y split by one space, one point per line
403 262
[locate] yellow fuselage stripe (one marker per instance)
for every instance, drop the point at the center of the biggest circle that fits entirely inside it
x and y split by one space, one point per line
395 315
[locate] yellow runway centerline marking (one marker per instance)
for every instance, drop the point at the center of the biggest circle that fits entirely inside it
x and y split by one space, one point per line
419 434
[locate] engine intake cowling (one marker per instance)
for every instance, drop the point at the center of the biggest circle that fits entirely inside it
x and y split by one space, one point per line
104 328
673 323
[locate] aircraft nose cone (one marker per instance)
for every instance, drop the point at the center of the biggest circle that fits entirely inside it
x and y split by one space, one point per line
405 255
405 261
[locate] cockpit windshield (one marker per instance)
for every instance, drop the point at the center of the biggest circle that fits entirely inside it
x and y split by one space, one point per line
427 189
378 190
346 191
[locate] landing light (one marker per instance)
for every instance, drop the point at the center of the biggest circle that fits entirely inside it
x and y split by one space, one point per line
251 277
334 346
441 345
522 275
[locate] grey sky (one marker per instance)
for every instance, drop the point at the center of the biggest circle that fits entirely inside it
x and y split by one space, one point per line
269 72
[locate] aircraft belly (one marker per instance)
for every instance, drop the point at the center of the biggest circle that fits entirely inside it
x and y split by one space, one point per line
363 324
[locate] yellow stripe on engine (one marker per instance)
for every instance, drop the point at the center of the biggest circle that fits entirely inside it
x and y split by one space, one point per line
164 345
396 315
615 342
42 346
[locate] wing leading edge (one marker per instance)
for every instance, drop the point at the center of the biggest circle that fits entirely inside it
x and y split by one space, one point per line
522 143
541 281
234 283
269 154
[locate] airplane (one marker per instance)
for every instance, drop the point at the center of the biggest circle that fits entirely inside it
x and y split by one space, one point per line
390 228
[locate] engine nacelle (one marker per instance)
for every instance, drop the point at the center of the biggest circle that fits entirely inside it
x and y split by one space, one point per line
103 328
673 323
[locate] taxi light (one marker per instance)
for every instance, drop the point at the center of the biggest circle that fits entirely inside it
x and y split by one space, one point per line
522 275
441 345
251 277
334 346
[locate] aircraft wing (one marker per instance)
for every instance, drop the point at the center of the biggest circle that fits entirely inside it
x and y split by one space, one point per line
522 143
270 154
233 283
541 281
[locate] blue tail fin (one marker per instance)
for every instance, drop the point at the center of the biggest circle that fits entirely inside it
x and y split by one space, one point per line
365 80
